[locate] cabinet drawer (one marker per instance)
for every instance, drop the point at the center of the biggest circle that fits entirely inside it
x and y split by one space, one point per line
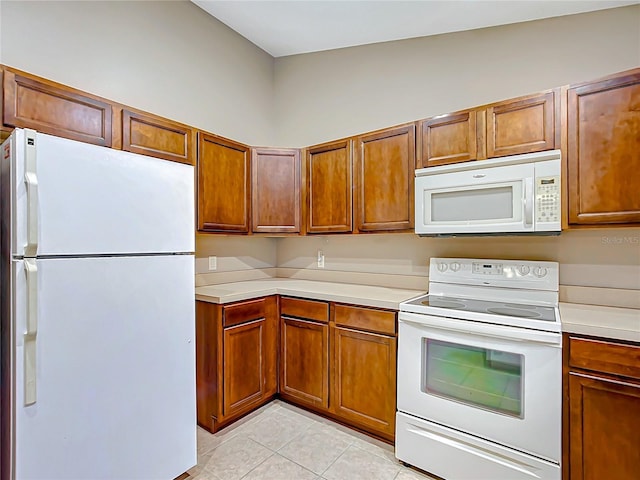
243 312
313 310
366 319
605 357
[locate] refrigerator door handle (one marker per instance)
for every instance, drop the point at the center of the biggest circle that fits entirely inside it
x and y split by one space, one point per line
31 270
31 181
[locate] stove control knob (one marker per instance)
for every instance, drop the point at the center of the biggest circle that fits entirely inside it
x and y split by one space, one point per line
442 267
455 266
524 270
539 272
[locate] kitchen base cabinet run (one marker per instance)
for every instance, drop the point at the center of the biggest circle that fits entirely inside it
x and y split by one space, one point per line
340 361
236 359
603 409
334 359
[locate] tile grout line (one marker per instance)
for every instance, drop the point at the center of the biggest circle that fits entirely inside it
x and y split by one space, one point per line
308 422
314 423
337 458
272 454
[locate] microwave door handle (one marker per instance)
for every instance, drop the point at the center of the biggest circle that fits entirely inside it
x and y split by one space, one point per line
528 201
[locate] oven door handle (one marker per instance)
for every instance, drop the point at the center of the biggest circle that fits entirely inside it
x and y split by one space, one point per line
477 451
482 329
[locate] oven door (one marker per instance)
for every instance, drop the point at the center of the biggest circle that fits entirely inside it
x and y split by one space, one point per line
485 200
499 383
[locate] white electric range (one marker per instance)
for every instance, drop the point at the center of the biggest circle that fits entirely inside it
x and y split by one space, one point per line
479 372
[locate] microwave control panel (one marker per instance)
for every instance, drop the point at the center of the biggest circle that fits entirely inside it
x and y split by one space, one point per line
548 199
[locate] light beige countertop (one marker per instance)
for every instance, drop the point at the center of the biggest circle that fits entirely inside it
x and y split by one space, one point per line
366 295
609 322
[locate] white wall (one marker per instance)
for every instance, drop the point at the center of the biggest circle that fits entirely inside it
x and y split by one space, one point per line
608 258
173 59
167 57
235 253
332 94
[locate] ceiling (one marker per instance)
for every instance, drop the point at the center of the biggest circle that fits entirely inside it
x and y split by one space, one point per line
291 27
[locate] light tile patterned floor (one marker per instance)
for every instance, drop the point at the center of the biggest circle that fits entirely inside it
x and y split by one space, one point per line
282 442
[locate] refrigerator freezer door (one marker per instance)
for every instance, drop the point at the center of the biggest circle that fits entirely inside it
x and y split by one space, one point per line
96 200
115 369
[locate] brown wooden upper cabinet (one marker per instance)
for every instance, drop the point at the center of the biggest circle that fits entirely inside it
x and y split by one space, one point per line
49 107
4 133
329 187
148 134
384 170
448 138
224 191
275 190
521 125
603 151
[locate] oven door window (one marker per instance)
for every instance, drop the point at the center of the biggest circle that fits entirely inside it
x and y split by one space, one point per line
481 377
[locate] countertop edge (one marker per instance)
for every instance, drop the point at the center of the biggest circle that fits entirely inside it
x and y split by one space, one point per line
351 294
614 323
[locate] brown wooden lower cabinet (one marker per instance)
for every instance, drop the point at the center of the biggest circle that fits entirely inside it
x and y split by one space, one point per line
363 387
244 379
341 364
603 409
304 352
335 359
304 369
236 359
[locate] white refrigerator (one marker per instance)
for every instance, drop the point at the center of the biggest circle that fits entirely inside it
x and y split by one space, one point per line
98 347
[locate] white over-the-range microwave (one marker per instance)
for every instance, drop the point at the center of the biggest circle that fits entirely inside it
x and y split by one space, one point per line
512 195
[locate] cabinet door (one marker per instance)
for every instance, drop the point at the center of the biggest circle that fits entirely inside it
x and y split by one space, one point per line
223 185
276 190
604 418
329 188
304 364
603 151
32 102
147 134
243 365
521 125
364 379
384 173
448 139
